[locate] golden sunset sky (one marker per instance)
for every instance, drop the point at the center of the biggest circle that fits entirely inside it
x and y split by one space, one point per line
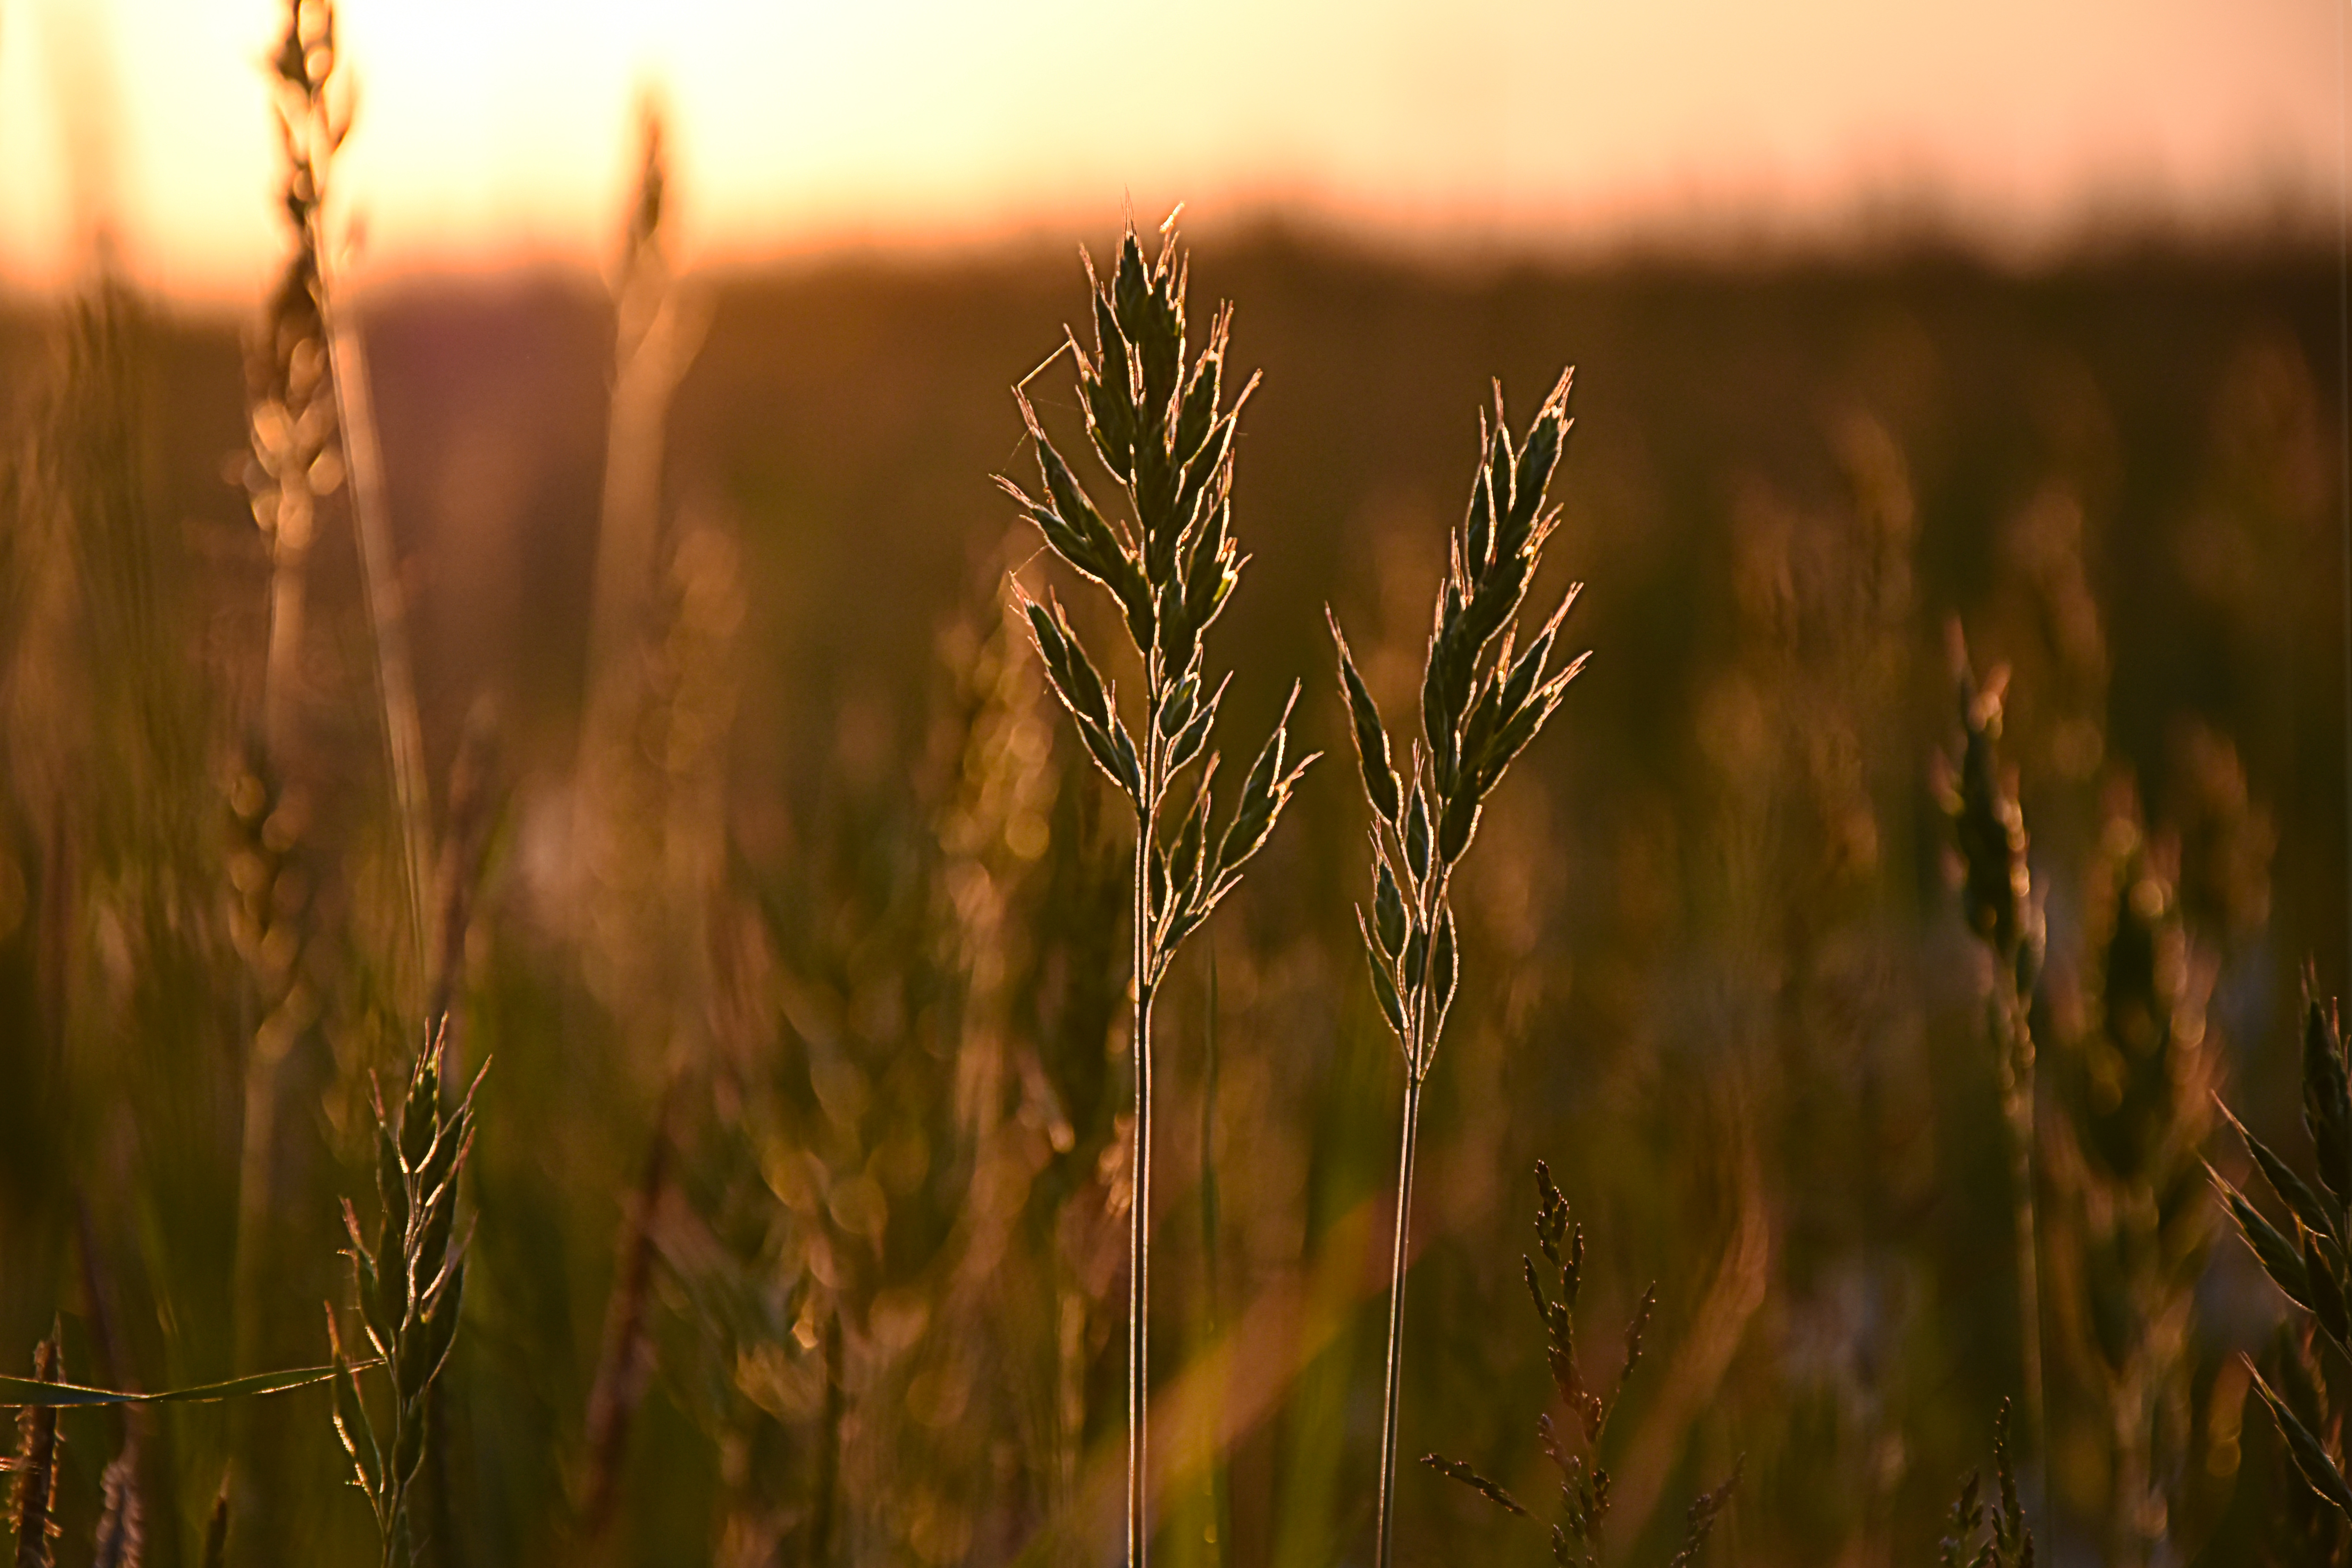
498 130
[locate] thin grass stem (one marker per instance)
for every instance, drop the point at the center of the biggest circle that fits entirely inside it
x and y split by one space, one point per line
1139 1248
395 684
1398 1260
1482 704
1220 1488
1158 421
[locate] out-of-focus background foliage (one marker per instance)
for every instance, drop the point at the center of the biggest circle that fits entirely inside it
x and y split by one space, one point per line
794 937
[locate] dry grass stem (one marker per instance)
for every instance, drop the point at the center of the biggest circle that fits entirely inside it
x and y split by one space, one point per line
314 109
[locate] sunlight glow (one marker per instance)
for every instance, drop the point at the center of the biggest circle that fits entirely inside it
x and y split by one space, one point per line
494 129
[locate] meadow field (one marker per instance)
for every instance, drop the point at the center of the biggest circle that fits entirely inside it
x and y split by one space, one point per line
719 799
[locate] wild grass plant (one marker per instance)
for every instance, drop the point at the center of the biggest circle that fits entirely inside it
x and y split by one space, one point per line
1158 421
410 1287
1994 1534
1482 702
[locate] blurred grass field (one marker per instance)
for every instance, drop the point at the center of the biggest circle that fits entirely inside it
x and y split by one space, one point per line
794 1188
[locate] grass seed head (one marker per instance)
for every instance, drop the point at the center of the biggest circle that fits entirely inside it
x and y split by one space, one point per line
1584 1481
410 1286
1481 704
1168 561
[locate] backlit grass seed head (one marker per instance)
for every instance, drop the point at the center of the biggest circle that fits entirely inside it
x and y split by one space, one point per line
411 1286
1159 427
293 423
2307 1526
1483 700
1159 424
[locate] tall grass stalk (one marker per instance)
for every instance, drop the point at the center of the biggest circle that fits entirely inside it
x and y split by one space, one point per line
314 111
292 419
1158 421
1996 900
1482 701
396 686
656 336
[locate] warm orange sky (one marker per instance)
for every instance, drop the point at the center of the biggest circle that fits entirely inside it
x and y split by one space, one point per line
500 127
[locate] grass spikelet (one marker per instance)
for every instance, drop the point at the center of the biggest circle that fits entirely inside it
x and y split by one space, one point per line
1482 702
2007 1539
1492 1491
33 1513
1159 422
